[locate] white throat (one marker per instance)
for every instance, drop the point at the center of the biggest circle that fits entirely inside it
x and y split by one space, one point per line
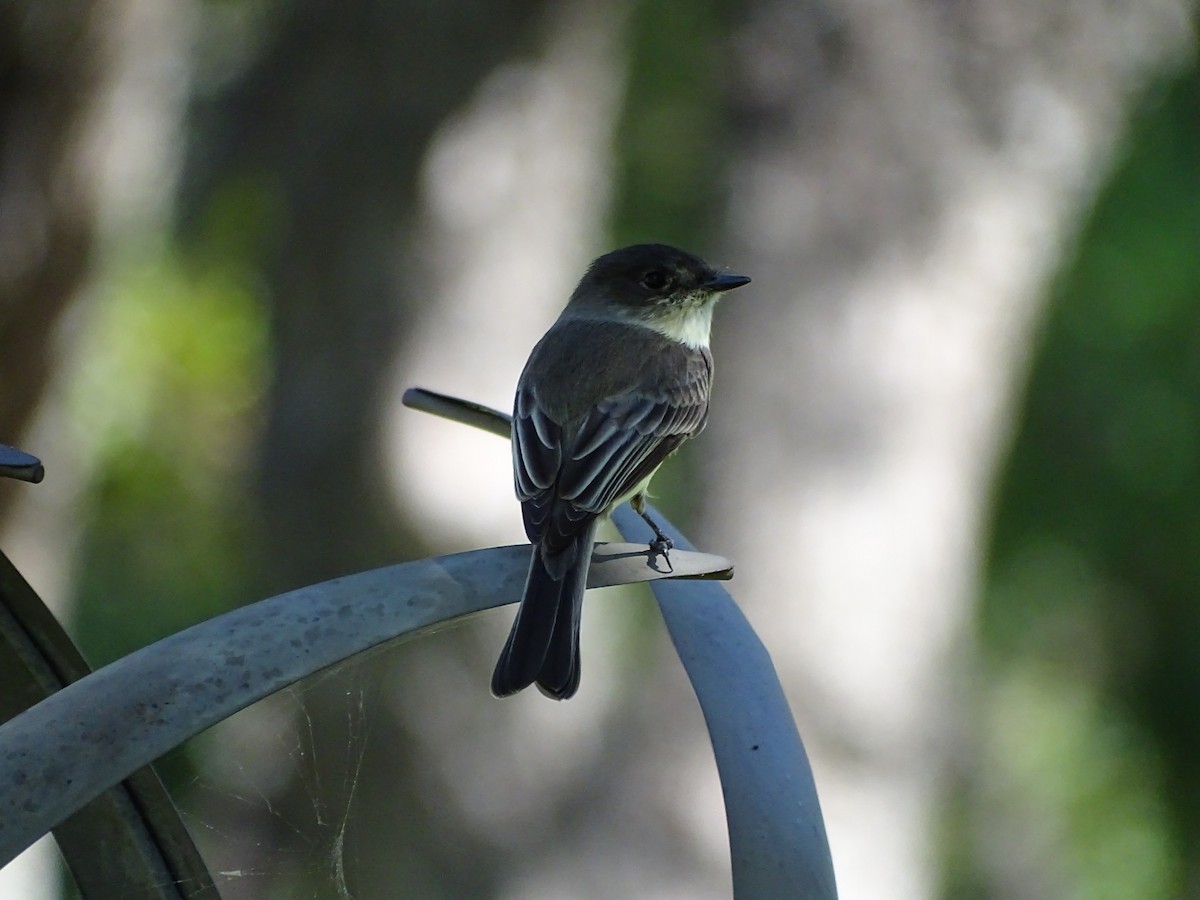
689 324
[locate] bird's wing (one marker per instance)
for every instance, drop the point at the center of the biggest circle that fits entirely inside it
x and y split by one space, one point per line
564 477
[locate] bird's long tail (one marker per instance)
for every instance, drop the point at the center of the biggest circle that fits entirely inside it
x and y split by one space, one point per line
543 646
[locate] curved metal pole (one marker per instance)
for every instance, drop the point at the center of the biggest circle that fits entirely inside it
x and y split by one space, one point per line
77 743
20 465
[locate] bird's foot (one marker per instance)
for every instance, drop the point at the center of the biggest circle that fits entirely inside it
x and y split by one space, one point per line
661 546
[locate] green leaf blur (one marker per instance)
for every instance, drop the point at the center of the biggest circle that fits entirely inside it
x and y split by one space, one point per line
172 375
1090 621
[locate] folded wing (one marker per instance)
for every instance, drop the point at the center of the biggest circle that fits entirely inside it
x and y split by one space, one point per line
566 474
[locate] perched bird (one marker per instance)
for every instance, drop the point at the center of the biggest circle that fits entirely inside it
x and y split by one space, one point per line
611 390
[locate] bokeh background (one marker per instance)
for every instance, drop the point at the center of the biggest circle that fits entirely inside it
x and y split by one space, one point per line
954 449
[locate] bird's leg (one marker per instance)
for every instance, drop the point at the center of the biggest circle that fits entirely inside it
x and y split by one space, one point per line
661 544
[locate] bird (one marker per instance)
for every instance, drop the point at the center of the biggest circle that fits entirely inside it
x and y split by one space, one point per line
621 379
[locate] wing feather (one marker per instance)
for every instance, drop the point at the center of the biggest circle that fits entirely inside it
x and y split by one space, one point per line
566 473
537 451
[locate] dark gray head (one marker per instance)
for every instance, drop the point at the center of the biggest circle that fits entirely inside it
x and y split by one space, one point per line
652 282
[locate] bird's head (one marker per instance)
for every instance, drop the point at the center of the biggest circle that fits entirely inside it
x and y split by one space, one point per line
656 286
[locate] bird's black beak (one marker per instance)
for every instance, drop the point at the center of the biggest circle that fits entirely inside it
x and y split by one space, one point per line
723 282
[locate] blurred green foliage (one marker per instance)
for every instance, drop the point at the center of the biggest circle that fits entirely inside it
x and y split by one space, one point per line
1091 618
669 185
173 371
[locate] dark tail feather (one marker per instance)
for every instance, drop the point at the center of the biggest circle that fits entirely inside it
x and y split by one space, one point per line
543 645
559 674
521 659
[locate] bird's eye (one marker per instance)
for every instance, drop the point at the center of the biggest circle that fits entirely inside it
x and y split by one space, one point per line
654 280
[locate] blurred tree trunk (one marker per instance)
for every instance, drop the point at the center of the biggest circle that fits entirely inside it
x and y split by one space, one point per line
907 177
50 68
323 137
